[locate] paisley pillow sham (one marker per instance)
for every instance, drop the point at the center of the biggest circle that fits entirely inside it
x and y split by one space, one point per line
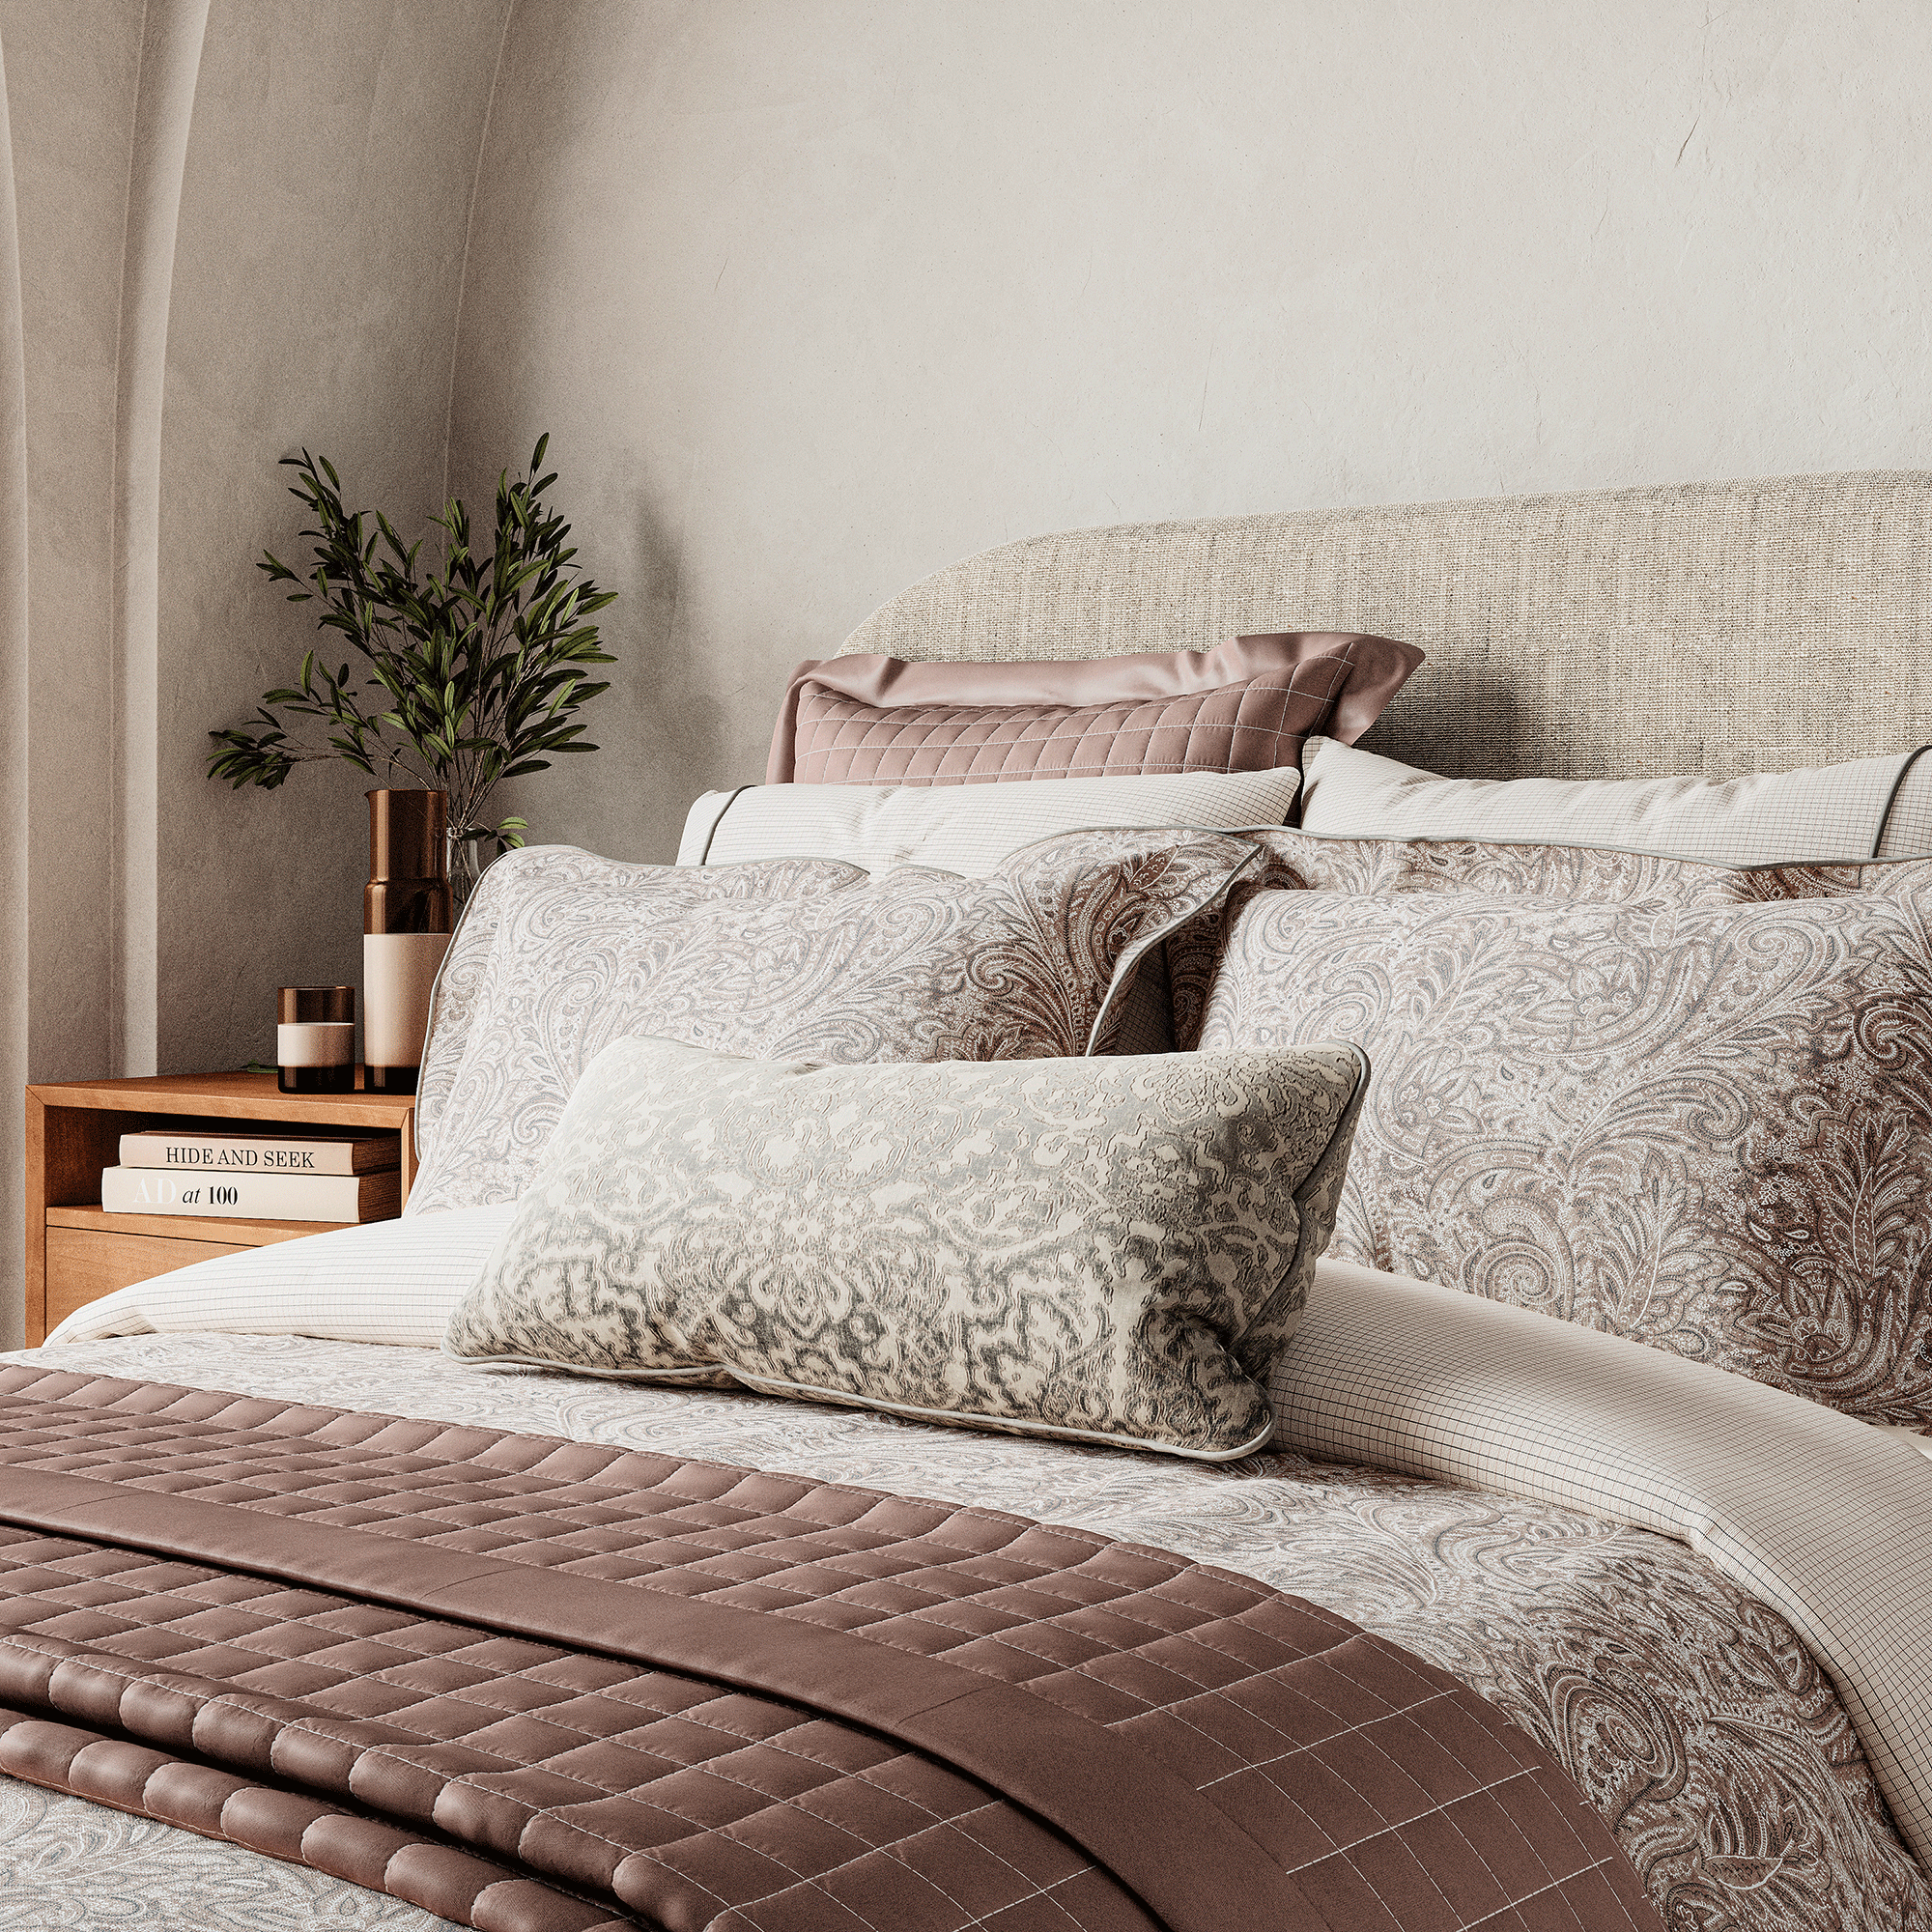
488 1093
795 957
1308 862
1707 1126
1108 1250
1311 862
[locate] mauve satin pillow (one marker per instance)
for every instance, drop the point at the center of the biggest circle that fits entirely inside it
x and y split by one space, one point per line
1244 706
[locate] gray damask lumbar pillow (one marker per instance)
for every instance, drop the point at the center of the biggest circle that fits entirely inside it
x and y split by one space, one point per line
1108 1249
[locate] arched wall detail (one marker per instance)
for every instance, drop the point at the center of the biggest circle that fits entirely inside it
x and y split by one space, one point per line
14 798
164 107
227 233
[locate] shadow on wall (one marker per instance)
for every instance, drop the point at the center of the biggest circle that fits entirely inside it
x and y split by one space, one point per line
1406 731
662 686
661 712
233 242
533 356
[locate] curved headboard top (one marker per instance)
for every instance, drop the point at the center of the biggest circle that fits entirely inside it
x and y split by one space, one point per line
1711 627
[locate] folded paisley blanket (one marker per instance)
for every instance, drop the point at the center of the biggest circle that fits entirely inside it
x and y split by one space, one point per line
529 1684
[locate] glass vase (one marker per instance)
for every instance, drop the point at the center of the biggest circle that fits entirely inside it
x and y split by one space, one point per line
471 851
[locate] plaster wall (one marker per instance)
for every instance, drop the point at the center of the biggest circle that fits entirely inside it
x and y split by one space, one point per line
324 207
240 229
71 85
819 296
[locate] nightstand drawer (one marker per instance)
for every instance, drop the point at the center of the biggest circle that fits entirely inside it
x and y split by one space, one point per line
83 1265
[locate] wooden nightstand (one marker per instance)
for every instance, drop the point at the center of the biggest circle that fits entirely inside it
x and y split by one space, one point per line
76 1253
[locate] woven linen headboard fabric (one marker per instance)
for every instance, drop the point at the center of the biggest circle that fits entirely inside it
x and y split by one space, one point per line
1705 628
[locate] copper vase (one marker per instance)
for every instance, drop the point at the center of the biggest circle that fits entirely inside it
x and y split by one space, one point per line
406 926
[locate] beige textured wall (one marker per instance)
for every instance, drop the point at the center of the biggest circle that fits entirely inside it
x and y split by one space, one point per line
819 296
72 80
240 231
240 227
315 277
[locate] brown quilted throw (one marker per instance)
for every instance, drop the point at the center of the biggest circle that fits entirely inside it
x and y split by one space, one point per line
537 1685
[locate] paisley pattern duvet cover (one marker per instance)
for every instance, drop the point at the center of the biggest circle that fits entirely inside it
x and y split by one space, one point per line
561 952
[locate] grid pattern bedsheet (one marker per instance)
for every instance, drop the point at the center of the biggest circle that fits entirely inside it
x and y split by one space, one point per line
1402 1374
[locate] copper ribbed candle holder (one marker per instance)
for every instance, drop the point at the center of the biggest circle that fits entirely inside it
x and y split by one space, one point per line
406 924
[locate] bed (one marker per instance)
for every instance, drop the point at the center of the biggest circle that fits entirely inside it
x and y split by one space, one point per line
1723 1675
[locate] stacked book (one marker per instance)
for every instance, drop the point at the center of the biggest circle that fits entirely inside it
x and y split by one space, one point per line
315 1175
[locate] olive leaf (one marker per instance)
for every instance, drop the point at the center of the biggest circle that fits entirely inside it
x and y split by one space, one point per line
467 676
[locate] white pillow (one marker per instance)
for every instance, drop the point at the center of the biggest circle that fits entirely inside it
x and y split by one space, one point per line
1869 809
386 1281
966 829
1913 1438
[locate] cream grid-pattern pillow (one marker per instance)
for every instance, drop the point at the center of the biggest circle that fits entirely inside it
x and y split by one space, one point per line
1865 809
966 829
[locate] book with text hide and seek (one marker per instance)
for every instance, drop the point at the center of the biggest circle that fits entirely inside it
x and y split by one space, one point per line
305 1151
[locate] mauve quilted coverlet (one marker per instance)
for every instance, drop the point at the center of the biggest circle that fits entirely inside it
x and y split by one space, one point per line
529 1684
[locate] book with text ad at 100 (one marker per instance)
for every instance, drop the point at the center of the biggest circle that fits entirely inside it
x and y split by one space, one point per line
253 1197
313 1150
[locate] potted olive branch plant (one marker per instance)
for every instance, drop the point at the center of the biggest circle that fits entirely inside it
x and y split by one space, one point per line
469 675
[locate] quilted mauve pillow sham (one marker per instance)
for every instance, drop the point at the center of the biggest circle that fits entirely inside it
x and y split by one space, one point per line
796 957
1244 706
1704 1126
1108 1250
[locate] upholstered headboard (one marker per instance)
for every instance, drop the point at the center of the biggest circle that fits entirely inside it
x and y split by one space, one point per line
1713 628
